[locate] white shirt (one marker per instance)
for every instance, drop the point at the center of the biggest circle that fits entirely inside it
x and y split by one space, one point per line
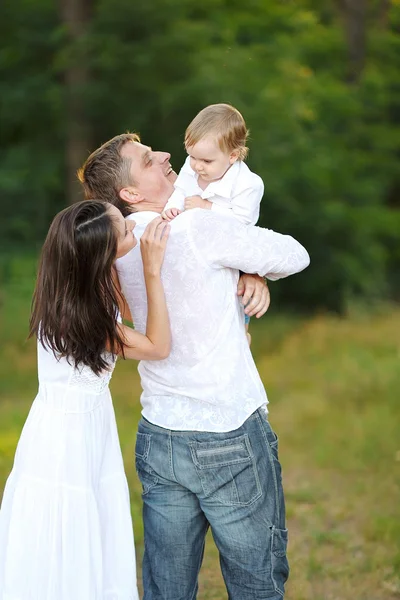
209 382
239 191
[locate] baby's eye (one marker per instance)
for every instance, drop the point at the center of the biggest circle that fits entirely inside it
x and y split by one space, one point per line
208 161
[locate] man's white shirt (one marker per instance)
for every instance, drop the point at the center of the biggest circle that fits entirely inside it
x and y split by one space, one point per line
239 191
210 381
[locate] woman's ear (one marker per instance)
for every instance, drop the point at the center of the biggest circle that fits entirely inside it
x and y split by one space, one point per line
234 156
131 195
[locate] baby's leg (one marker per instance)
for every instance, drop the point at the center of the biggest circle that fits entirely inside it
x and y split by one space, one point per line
246 326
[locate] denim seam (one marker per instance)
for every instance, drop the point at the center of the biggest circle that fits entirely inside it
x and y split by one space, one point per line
149 487
235 487
196 586
221 449
171 463
274 529
238 461
143 457
145 454
249 503
271 460
255 470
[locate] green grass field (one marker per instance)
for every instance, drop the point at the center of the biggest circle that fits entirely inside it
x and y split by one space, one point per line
333 386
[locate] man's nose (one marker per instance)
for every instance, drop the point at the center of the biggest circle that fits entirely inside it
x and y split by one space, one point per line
164 157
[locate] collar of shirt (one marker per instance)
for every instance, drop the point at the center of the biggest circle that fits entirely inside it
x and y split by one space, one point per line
224 186
143 217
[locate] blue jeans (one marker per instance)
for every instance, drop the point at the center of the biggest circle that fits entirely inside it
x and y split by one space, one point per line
228 481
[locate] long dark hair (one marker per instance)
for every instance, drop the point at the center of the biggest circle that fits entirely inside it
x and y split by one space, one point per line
75 303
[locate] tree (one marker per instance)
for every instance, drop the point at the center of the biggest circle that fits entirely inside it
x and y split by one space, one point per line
354 15
76 15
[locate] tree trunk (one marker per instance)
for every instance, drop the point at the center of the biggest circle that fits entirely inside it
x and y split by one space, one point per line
354 14
383 17
75 15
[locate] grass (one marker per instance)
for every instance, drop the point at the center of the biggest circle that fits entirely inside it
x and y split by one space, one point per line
333 386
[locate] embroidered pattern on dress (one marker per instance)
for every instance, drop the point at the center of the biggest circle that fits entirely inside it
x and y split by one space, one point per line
84 378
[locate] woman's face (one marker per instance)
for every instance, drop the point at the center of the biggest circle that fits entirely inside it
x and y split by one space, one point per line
124 230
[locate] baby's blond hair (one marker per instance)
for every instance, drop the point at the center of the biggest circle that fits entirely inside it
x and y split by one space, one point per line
225 122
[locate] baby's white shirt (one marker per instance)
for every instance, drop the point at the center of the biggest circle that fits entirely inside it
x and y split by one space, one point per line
238 193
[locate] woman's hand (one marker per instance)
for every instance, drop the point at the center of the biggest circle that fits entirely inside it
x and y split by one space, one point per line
152 245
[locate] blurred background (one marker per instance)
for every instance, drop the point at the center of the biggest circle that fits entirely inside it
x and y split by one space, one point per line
318 83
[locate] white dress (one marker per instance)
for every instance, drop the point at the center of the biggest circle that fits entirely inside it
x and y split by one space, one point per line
65 523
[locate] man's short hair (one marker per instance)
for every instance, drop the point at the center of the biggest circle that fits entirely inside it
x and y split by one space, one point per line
225 123
106 172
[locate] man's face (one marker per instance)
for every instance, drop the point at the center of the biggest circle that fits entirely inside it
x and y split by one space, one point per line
151 173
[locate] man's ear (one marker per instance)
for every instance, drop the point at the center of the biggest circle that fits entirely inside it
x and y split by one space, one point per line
131 195
234 156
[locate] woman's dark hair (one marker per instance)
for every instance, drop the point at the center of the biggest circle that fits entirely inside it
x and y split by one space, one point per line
75 303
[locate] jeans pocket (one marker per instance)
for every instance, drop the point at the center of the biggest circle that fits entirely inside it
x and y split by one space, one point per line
142 447
270 434
227 471
147 477
279 562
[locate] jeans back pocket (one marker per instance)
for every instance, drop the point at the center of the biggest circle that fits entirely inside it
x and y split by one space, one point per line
227 470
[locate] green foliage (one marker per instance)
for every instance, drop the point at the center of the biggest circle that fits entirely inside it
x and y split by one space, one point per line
327 151
31 152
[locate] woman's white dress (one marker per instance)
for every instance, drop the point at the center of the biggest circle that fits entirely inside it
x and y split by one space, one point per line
65 523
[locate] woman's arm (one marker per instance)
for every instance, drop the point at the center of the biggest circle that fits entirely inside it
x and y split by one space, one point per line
155 344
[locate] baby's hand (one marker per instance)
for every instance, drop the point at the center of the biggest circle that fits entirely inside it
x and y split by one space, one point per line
170 214
196 202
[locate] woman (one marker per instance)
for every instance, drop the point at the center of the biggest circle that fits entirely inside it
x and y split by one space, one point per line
65 523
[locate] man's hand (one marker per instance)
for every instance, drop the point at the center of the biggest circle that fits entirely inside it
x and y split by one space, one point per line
170 214
196 202
255 292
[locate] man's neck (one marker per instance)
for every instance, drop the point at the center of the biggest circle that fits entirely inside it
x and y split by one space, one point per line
148 207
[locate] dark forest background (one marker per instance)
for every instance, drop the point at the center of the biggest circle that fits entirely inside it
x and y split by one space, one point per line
318 84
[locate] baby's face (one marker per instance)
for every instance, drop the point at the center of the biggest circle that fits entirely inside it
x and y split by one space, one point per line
208 160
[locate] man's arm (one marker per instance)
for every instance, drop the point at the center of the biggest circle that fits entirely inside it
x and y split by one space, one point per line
255 295
223 242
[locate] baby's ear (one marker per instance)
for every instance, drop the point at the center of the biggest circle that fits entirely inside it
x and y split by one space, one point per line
131 195
234 156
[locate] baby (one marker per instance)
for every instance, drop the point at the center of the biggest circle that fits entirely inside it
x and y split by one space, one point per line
214 175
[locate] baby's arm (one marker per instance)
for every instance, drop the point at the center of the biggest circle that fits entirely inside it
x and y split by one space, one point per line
245 205
197 202
176 202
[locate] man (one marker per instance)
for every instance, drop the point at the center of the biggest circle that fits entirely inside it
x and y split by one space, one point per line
205 452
